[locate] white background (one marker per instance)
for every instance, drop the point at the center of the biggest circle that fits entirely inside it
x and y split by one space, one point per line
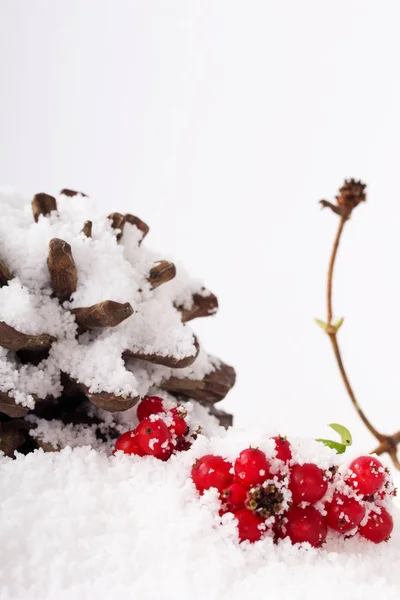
221 124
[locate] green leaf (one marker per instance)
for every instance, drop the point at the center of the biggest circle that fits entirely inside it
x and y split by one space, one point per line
337 324
344 433
321 324
340 448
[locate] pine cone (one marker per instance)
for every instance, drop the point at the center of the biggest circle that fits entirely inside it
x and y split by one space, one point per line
88 312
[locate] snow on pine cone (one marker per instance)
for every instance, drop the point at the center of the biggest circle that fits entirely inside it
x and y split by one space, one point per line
88 312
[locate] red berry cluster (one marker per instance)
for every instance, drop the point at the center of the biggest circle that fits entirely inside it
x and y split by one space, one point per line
277 497
160 432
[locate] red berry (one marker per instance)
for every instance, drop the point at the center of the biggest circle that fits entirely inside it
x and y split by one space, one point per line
307 483
150 405
368 475
305 525
211 471
344 513
235 494
249 525
282 448
378 527
251 467
165 454
153 436
128 443
179 426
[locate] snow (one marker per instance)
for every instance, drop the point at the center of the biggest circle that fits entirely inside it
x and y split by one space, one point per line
107 270
79 523
60 434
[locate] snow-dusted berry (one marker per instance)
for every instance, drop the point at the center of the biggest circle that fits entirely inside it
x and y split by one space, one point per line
366 475
211 471
282 448
235 494
179 427
151 405
251 467
153 436
344 513
307 483
378 527
305 525
128 443
250 526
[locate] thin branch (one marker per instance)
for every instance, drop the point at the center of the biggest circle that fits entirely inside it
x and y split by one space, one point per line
349 389
350 195
331 267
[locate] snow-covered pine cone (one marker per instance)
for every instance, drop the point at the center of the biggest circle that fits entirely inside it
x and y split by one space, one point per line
87 310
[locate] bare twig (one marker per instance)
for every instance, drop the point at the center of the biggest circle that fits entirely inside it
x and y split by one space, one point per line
350 195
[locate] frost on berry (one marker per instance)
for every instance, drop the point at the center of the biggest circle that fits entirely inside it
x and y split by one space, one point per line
128 443
344 514
251 467
235 495
304 525
283 449
211 471
250 526
152 436
366 475
377 527
308 483
150 405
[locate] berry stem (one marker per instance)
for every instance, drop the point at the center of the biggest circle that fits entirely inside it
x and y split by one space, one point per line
331 268
387 443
